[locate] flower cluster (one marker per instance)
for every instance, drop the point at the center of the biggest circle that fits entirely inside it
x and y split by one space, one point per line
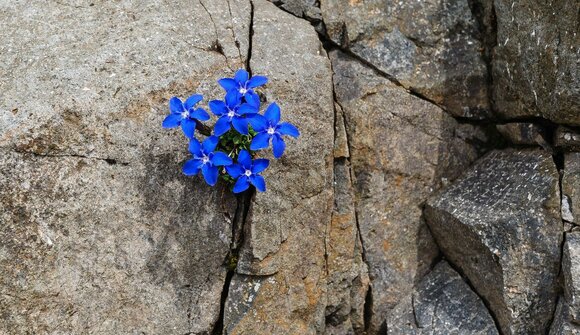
240 131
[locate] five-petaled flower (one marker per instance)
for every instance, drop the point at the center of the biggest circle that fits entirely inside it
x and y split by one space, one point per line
205 159
243 85
232 112
270 128
247 172
184 114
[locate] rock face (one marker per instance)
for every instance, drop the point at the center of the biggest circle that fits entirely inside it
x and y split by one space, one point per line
571 188
99 230
571 270
442 303
561 324
535 63
401 149
500 224
430 47
281 276
524 133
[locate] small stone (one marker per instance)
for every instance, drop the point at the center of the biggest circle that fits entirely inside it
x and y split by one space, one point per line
567 139
523 133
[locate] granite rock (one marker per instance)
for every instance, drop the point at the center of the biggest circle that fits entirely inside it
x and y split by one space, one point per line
402 148
441 304
562 324
524 133
535 62
431 47
571 188
571 271
500 225
567 139
100 232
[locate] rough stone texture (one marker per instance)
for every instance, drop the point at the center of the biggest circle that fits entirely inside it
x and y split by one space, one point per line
348 281
567 138
561 324
100 232
307 9
287 225
401 148
500 224
430 47
571 270
535 63
524 133
442 304
571 188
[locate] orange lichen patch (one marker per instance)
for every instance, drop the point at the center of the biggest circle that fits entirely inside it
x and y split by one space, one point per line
399 180
386 245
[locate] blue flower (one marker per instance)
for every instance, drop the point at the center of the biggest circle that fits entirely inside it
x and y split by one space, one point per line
205 159
244 85
247 172
232 112
185 115
270 128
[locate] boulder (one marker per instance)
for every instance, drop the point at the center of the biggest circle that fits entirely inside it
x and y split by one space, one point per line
571 271
101 232
561 324
402 148
432 48
500 225
441 304
535 62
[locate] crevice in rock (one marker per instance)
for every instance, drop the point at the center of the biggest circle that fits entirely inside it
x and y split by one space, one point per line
236 42
250 38
243 206
110 161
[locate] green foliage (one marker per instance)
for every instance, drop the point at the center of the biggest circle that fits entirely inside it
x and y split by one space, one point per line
231 143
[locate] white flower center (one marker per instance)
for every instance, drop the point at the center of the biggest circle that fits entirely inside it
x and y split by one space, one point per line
271 131
243 90
231 114
184 115
205 159
248 173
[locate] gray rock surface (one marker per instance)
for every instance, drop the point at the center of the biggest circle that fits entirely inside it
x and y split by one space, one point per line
100 232
535 62
442 304
430 47
401 148
571 271
307 9
284 249
571 188
561 324
500 224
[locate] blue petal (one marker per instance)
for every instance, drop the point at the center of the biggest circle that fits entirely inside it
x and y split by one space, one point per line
240 124
195 147
286 128
241 185
233 99
235 170
260 141
209 144
247 109
256 81
188 126
253 99
191 167
199 114
192 100
221 159
172 120
176 106
260 165
245 159
221 126
258 122
241 76
228 84
278 146
259 182
272 114
218 107
210 174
